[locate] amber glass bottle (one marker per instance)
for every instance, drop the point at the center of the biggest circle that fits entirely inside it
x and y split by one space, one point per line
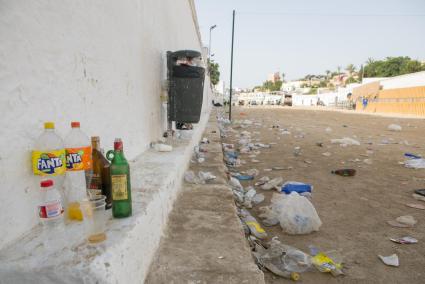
99 177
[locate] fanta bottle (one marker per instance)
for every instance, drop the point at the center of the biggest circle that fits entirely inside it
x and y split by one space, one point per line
78 160
48 157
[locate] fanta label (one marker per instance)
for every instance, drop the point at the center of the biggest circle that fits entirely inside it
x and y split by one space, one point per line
78 159
48 163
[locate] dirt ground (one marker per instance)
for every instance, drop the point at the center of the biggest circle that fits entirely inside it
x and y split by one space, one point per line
354 210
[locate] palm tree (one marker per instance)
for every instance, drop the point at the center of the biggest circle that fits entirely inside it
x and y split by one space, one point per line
370 60
350 68
328 72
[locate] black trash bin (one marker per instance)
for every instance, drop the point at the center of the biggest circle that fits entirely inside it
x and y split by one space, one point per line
186 86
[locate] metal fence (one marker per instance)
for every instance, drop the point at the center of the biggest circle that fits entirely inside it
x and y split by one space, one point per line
343 105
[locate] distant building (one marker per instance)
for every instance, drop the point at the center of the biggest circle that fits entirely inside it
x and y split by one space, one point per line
274 77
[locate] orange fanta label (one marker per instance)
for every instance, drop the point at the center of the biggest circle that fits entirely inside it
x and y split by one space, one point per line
78 159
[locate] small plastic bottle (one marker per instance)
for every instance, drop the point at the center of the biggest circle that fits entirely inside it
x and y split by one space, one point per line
78 160
50 211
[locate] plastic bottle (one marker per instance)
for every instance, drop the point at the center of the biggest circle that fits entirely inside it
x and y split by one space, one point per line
78 160
50 211
298 187
48 157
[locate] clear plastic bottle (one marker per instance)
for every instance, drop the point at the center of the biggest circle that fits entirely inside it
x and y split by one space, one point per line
50 209
78 160
49 157
50 212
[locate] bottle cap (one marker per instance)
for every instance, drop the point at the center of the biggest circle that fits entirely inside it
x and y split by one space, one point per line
46 183
49 125
118 144
75 124
95 139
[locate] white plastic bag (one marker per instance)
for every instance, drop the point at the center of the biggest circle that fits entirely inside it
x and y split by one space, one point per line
394 127
346 141
415 163
298 216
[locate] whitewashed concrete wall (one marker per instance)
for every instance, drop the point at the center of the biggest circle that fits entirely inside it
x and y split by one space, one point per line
100 62
304 100
404 81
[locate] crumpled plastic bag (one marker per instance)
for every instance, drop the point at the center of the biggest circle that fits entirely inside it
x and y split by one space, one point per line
345 141
235 184
394 127
202 178
297 214
272 183
282 260
415 163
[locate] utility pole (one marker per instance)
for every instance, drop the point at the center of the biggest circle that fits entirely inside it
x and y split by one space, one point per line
231 67
209 44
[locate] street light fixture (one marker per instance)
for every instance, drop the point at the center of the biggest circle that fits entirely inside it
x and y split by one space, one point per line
209 45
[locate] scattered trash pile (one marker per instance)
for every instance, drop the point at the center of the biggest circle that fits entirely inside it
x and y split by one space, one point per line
290 206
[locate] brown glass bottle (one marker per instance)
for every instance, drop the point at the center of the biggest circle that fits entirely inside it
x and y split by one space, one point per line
99 178
345 172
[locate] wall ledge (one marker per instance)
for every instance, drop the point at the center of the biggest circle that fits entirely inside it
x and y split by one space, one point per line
131 243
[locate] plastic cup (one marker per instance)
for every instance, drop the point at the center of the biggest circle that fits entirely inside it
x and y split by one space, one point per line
94 211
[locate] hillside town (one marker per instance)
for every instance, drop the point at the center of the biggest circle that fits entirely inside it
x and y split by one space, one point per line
343 90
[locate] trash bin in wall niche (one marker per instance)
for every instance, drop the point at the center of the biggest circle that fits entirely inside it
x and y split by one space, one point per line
186 75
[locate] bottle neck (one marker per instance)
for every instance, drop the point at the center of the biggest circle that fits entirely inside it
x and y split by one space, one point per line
119 154
95 145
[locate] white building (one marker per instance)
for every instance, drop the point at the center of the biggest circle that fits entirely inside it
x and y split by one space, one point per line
292 86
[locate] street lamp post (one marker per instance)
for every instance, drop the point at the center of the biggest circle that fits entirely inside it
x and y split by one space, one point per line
209 45
231 67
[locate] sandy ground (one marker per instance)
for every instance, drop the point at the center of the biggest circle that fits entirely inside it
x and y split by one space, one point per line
354 210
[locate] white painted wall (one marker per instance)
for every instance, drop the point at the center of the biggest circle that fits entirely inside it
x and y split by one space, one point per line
304 100
404 81
100 62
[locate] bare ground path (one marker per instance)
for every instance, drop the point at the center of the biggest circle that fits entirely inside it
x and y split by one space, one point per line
354 211
204 239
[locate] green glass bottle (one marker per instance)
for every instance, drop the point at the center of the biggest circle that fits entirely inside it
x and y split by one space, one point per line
120 181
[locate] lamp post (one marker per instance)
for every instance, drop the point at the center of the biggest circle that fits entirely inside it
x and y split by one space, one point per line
231 67
209 45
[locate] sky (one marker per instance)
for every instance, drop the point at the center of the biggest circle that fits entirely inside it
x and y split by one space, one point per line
300 37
